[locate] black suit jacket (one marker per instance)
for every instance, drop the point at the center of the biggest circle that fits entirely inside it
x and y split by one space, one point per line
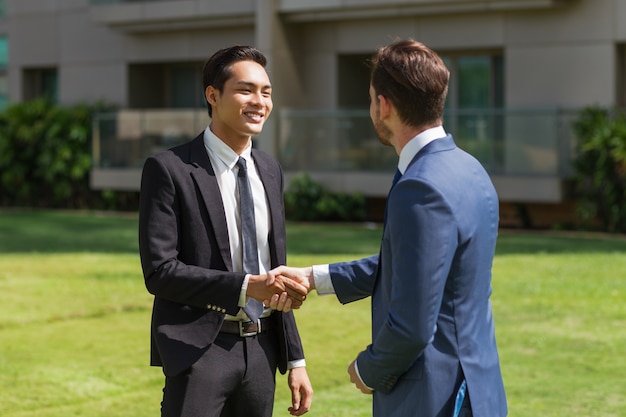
185 254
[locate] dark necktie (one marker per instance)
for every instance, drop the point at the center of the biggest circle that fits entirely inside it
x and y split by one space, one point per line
253 307
396 178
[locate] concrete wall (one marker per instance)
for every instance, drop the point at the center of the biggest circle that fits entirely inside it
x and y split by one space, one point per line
91 56
558 53
562 57
554 56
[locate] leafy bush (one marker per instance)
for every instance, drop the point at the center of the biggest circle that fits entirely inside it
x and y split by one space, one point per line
600 167
307 200
45 157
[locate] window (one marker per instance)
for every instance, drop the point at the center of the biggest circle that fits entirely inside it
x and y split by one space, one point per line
166 85
40 83
475 100
621 75
184 84
4 60
476 81
354 81
473 112
4 52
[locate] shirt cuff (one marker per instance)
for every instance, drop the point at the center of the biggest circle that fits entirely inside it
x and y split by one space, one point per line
242 294
300 363
323 283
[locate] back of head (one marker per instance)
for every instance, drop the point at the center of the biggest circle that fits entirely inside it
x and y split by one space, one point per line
217 69
414 78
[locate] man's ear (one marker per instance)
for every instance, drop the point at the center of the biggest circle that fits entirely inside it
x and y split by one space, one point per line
211 94
385 107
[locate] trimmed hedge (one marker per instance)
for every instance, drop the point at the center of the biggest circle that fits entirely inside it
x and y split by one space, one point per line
307 200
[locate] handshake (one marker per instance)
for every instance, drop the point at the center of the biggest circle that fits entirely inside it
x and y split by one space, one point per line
283 288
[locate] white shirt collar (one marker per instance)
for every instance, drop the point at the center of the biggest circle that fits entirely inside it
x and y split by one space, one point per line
416 144
223 151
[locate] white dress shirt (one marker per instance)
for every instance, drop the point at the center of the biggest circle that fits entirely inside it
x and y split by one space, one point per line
224 161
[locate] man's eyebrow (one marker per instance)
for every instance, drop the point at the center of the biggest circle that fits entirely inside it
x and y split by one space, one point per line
251 84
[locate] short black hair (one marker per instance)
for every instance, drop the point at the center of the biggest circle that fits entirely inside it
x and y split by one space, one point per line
217 68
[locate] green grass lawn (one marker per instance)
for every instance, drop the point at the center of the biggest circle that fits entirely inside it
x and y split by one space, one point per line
74 320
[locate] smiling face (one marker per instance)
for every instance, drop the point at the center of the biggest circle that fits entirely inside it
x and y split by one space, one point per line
240 110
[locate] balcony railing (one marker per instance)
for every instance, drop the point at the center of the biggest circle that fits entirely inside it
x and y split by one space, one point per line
507 142
98 2
124 139
528 152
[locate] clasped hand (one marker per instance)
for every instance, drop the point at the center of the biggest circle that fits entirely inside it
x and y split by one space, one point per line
297 282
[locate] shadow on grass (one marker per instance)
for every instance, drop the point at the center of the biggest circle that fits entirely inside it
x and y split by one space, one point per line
529 242
359 239
328 238
28 230
65 231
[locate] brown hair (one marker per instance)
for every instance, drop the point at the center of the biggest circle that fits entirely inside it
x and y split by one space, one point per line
414 79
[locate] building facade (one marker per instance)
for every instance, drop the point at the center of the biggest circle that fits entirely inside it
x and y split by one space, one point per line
521 69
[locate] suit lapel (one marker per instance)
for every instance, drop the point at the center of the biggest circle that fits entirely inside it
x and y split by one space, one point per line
273 192
204 176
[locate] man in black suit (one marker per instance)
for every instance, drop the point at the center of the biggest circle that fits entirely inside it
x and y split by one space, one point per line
218 358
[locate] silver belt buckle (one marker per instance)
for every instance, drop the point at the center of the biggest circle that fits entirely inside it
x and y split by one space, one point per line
248 334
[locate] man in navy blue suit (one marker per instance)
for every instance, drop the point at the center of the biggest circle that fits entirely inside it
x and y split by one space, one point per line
433 350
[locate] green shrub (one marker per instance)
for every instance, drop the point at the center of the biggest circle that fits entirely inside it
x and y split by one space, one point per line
307 200
45 157
600 167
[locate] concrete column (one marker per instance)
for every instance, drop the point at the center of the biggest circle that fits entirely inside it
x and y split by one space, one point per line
272 39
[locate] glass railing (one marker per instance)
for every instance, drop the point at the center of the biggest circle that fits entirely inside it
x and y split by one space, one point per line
98 2
339 140
528 142
124 139
535 142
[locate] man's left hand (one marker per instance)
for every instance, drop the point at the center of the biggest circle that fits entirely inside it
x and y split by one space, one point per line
301 391
356 380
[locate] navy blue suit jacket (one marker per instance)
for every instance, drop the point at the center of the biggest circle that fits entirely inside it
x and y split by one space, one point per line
430 286
185 254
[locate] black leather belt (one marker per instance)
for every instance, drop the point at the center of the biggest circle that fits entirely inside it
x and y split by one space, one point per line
247 328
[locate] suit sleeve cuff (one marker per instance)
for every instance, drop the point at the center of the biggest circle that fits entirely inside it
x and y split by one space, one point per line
356 368
323 283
